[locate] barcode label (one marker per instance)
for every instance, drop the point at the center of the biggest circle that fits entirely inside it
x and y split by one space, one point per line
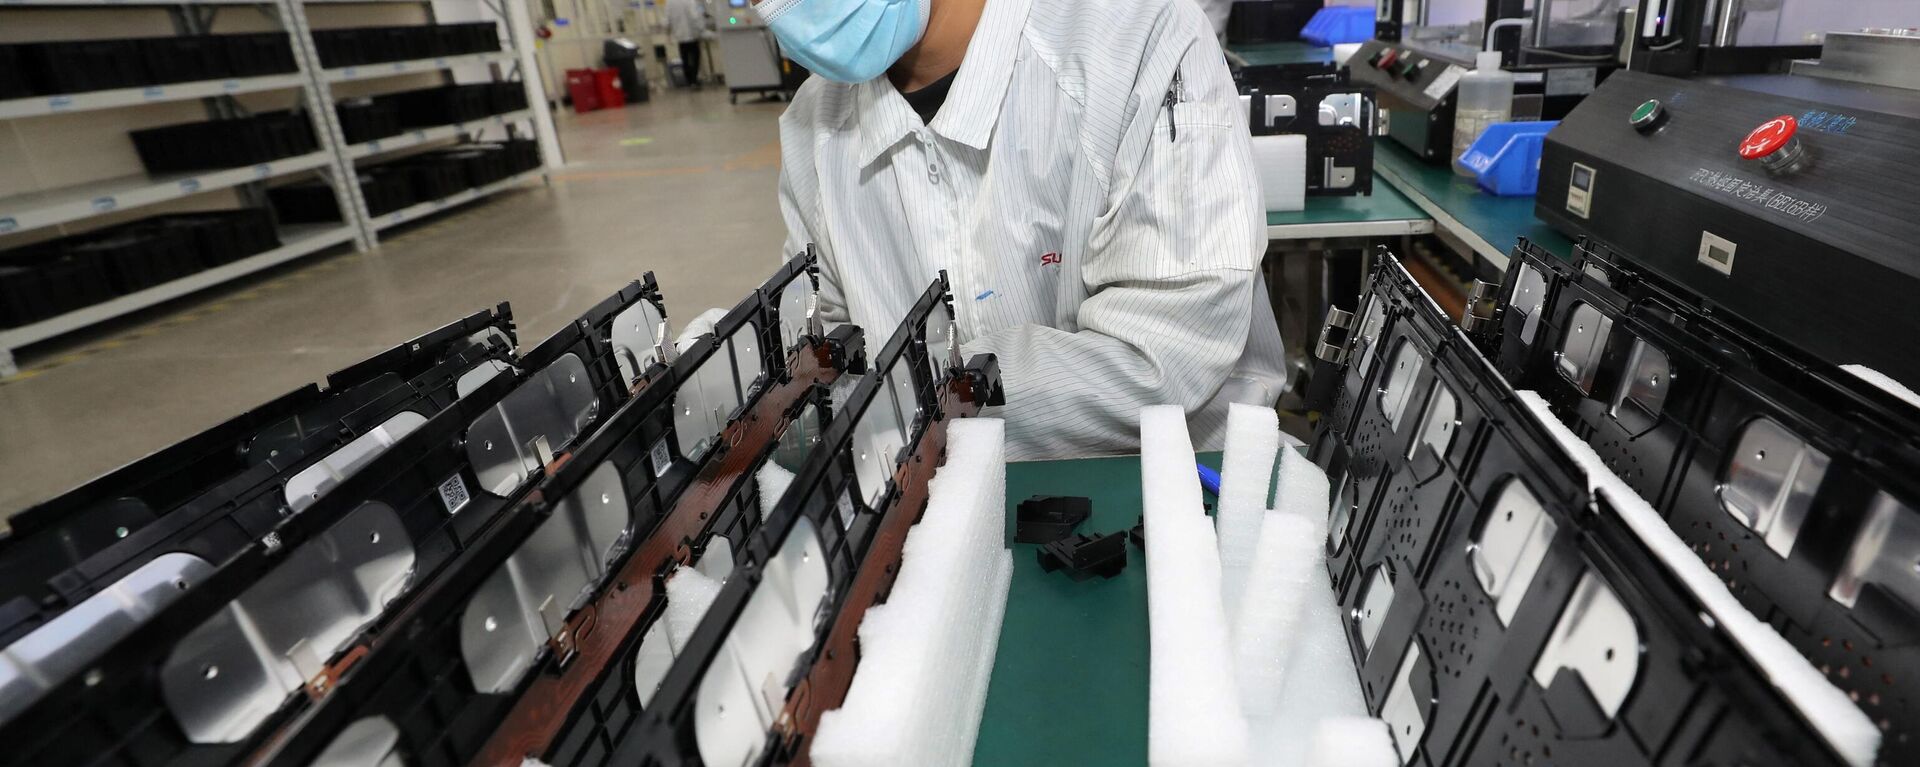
846 510
453 493
662 459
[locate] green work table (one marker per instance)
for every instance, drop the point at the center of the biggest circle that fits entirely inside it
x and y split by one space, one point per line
1270 54
1070 677
1488 224
1387 213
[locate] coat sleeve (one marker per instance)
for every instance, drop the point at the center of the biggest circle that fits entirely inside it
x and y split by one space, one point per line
1169 267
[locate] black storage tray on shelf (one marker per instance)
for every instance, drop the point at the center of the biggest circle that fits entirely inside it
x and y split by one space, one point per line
259 53
78 66
222 237
1480 577
422 500
1796 480
442 105
224 143
358 46
134 259
63 284
367 119
183 59
14 82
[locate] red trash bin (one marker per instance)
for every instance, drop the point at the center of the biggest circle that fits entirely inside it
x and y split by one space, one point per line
582 87
607 82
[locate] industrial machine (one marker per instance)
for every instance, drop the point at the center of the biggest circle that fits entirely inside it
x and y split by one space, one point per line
750 58
1338 118
1785 203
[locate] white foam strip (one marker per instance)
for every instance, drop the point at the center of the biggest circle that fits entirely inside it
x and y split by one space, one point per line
689 594
926 655
1266 627
774 480
1246 472
1352 742
1193 711
1844 726
1884 382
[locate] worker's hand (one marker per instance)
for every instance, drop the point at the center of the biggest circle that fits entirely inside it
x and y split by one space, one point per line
701 325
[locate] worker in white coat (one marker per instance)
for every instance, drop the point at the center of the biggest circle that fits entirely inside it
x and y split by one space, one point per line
686 22
1082 171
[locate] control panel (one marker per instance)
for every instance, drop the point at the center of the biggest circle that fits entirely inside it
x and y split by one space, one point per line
1788 202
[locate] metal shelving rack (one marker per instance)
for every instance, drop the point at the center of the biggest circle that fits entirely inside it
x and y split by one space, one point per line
334 161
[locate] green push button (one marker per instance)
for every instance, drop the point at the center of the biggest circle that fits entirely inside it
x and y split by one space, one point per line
1648 116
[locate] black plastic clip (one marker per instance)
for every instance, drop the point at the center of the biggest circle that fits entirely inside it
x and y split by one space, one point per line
1048 518
1085 556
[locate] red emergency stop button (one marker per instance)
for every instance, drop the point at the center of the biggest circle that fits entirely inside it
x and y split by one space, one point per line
1775 145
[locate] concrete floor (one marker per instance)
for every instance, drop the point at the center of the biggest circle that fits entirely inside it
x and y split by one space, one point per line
683 186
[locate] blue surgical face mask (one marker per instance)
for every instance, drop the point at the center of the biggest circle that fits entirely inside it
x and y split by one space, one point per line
849 41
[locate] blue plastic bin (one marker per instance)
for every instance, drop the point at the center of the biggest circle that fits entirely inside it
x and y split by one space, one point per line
1507 157
1339 24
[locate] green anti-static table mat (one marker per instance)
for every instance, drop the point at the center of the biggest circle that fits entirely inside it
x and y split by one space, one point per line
1385 204
1269 54
1496 221
1070 677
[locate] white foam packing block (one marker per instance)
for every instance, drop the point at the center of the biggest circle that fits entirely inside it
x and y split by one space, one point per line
1267 625
774 480
1301 487
1320 682
1246 473
1193 710
1884 382
1352 741
926 655
1280 162
689 594
1842 724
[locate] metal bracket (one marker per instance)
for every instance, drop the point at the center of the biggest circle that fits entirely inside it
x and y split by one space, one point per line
1513 541
1329 348
1483 304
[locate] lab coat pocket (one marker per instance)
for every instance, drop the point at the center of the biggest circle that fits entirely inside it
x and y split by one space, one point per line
1222 210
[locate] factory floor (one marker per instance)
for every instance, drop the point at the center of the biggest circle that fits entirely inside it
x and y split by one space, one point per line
683 186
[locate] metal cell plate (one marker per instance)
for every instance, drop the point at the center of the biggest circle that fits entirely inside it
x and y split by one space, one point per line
798 441
635 335
56 651
1886 554
747 683
1529 298
519 606
1649 377
748 361
943 346
1442 419
799 311
314 481
1403 710
877 440
702 404
652 660
1583 346
478 376
369 742
1596 639
1770 480
1397 392
1512 542
551 409
1346 499
231 672
1376 600
1368 335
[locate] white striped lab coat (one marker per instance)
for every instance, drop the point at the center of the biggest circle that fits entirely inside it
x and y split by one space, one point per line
1107 255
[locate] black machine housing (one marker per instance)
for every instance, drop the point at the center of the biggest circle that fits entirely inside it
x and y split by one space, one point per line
1338 117
1822 258
1416 83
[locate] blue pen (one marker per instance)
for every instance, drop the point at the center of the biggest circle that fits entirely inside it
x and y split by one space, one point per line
1209 479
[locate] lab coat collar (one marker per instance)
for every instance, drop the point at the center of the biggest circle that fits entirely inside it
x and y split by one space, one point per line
973 105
